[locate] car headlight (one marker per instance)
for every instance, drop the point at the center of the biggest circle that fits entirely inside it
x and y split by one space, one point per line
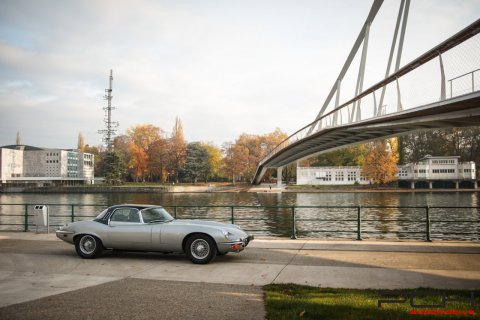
65 228
230 236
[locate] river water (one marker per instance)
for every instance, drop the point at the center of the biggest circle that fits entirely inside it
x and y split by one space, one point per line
331 221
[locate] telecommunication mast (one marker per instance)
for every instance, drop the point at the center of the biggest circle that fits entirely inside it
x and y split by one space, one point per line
110 126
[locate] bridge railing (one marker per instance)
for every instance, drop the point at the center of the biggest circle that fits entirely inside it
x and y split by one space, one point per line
347 222
465 83
456 57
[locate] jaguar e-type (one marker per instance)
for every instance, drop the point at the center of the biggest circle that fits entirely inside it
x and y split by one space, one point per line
133 227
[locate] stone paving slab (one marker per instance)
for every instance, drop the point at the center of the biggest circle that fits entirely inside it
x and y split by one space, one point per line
17 287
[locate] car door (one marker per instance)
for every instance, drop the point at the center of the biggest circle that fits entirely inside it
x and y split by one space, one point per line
127 230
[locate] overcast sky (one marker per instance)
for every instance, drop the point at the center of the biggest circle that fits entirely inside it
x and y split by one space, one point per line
223 67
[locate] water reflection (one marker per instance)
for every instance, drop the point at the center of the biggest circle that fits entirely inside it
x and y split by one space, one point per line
379 219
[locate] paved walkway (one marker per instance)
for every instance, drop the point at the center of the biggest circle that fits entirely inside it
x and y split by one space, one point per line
39 266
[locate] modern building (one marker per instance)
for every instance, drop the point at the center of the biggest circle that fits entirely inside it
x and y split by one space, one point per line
429 170
26 165
330 176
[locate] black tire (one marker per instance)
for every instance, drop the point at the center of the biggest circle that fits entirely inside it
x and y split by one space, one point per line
88 246
200 249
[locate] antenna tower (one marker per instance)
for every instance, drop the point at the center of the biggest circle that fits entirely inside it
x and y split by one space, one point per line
110 126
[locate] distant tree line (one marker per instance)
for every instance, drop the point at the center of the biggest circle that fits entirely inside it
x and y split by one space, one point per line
145 153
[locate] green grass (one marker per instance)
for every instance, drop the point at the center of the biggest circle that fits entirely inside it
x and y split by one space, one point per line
289 301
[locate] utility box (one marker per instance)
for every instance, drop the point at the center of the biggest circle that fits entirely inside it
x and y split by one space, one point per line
41 216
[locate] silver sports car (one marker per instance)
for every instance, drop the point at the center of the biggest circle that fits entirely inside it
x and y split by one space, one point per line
151 228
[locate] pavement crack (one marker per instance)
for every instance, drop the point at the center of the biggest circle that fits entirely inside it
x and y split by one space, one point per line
291 260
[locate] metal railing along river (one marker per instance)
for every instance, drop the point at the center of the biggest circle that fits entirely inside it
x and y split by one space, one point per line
348 222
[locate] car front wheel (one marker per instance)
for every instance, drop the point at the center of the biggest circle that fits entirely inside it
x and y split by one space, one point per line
200 249
88 246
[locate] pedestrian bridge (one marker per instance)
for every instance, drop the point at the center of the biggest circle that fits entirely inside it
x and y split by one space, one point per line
417 96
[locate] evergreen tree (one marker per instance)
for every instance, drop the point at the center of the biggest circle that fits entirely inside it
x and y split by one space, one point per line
197 163
113 168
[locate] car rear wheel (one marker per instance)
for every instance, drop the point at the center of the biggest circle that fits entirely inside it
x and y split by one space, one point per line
88 246
200 249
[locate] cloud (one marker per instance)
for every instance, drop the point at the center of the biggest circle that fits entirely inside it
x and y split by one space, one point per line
223 67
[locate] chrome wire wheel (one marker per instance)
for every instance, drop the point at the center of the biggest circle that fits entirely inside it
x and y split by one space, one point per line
200 249
87 245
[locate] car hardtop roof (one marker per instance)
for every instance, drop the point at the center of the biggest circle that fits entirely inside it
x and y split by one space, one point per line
136 206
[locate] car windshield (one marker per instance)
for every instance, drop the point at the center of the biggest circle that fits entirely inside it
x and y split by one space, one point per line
155 215
102 214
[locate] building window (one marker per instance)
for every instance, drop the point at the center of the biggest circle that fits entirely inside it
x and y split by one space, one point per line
339 175
443 171
352 176
328 176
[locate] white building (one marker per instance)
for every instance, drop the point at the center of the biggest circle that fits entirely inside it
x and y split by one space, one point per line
20 165
330 176
428 170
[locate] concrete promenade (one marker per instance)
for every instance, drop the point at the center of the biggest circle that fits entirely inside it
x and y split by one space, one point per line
34 266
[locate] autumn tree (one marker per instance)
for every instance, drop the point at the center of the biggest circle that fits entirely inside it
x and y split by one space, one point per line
138 162
381 162
158 159
176 147
141 138
143 135
255 148
215 160
81 142
234 161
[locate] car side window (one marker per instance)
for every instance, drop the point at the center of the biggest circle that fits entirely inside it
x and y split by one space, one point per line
126 215
155 215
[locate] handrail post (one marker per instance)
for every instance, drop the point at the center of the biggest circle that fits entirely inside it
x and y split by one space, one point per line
26 219
232 215
359 223
294 230
175 212
72 214
427 221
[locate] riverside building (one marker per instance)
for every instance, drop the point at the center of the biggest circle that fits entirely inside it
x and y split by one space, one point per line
330 176
442 171
22 165
429 172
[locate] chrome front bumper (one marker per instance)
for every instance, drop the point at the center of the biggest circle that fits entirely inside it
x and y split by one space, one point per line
235 246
